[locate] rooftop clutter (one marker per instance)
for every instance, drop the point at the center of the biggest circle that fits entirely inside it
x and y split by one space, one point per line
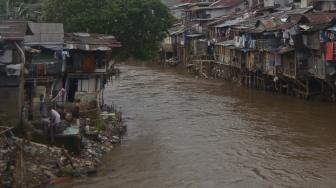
286 47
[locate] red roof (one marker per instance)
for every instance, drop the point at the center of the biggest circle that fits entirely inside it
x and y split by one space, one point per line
293 20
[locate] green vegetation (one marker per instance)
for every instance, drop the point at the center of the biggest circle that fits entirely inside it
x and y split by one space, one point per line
139 24
20 9
3 9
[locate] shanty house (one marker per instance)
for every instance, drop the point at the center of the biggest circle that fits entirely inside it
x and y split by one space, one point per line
87 62
173 46
192 44
316 41
45 62
166 50
223 31
198 16
12 67
223 52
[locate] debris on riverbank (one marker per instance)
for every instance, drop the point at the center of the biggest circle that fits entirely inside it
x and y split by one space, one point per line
59 127
31 164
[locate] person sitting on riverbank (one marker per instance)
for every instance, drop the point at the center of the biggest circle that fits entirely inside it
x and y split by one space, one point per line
62 113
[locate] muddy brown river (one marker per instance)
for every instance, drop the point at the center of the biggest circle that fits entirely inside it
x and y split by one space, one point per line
187 132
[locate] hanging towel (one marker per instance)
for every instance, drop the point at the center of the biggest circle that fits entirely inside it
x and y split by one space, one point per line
330 51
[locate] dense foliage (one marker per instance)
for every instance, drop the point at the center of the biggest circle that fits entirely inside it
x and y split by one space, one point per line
2 9
20 9
139 24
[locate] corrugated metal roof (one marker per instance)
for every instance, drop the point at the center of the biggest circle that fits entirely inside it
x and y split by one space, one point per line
176 30
282 50
220 4
218 20
276 21
192 5
299 10
90 42
45 34
180 5
221 19
226 43
319 18
225 3
190 1
194 35
268 24
230 22
14 30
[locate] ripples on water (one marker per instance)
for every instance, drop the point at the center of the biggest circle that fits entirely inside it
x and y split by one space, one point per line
185 132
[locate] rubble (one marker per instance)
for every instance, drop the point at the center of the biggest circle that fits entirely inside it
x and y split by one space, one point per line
46 165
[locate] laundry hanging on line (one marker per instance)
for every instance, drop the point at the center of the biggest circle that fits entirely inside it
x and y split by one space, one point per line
330 51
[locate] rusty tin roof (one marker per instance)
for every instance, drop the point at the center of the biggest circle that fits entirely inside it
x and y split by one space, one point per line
90 42
319 18
14 30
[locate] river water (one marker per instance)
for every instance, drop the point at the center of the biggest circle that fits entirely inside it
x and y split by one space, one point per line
187 132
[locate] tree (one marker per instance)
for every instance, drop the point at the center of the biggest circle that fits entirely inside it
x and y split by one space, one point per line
3 14
20 9
140 25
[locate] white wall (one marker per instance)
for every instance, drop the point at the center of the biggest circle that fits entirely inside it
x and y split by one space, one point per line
306 3
87 85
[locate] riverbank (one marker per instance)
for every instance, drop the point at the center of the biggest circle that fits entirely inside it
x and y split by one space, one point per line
25 163
279 85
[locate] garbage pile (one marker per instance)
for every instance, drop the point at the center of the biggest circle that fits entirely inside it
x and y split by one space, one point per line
44 165
7 162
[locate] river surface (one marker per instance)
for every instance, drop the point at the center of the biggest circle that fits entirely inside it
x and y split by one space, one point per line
187 132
